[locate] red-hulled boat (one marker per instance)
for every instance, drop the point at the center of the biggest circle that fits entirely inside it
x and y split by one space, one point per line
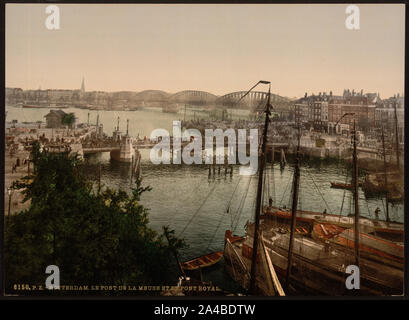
368 243
388 230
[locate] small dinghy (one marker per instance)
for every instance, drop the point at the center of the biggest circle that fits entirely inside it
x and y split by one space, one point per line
204 261
340 185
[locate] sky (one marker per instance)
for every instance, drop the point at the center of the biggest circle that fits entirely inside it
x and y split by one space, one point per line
218 48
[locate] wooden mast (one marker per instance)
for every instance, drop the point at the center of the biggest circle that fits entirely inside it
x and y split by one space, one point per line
386 177
397 137
293 212
259 195
355 185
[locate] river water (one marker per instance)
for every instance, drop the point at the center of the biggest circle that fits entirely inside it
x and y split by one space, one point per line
194 205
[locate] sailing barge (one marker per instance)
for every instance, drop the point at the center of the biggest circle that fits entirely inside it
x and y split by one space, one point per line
388 230
371 246
318 268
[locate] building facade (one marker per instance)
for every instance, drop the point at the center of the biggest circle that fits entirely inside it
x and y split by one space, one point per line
352 108
390 114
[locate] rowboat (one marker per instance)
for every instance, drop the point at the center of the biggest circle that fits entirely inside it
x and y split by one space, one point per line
339 185
204 261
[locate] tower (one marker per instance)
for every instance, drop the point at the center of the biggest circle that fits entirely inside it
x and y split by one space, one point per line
82 86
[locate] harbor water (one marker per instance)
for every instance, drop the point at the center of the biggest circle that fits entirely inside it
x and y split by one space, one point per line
200 208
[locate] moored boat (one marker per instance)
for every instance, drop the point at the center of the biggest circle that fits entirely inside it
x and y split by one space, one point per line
375 247
318 266
34 106
389 230
340 185
204 261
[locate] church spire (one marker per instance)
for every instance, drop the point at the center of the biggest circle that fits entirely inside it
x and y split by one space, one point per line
82 85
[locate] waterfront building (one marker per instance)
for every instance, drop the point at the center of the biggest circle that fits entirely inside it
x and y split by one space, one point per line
54 119
312 111
301 110
385 115
359 107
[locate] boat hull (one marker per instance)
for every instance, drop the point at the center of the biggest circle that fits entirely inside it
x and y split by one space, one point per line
203 261
318 268
392 231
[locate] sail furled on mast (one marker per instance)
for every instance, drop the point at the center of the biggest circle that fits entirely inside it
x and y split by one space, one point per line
273 284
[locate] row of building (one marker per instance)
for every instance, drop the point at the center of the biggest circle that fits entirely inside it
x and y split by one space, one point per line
336 114
76 97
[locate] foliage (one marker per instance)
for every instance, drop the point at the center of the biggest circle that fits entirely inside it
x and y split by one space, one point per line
68 119
94 238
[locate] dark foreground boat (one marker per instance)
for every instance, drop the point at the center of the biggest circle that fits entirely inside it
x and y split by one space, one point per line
204 261
318 268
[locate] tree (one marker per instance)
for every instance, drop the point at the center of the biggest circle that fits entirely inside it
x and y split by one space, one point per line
68 119
94 238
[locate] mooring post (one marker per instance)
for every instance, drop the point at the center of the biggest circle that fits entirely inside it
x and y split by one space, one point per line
132 167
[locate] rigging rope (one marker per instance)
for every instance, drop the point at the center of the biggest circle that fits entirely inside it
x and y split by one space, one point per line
188 198
229 203
241 204
252 209
221 217
197 211
285 190
369 212
383 205
300 194
273 183
217 229
343 197
329 209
